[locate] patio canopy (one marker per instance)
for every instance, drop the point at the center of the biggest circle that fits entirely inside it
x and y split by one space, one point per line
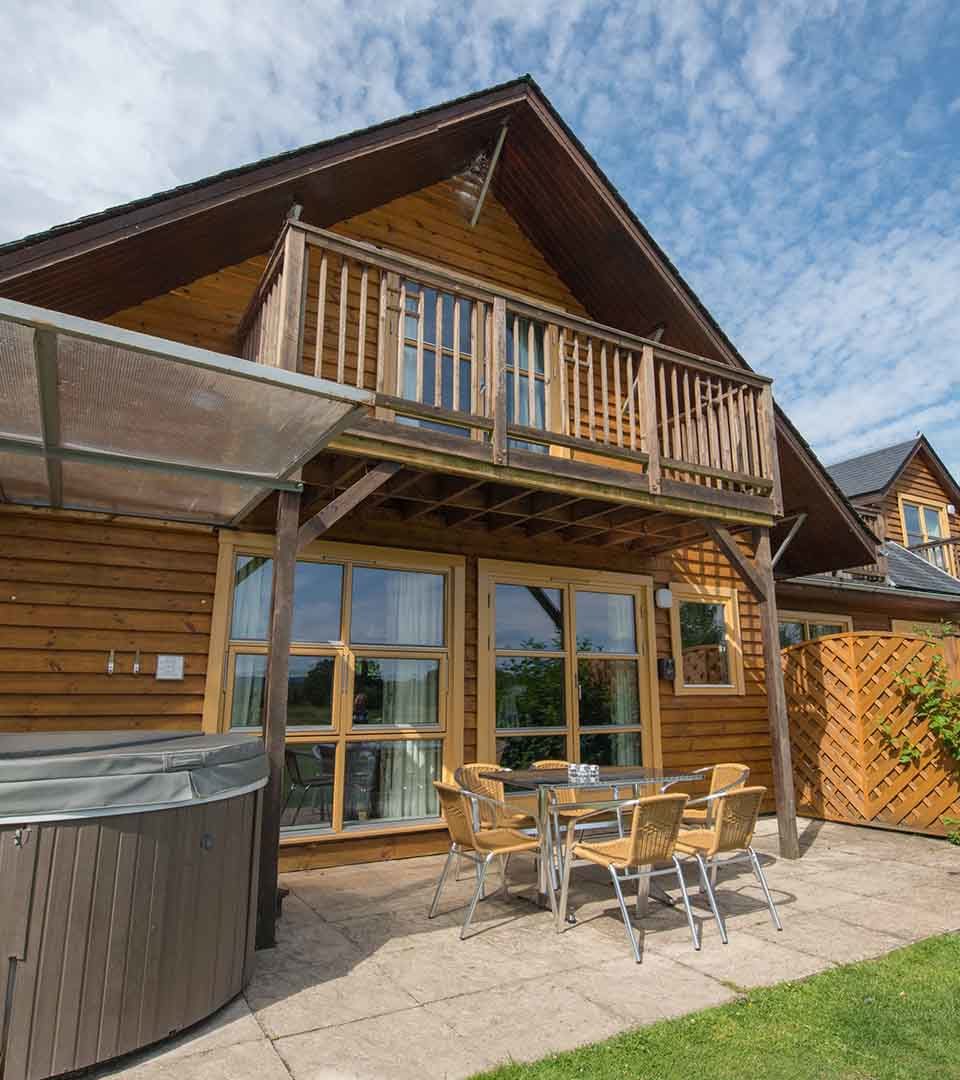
93 417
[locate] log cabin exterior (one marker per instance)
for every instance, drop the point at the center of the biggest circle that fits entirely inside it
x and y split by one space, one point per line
908 498
558 430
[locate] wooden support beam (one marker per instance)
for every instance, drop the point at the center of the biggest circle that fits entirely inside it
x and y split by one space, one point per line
275 711
725 540
648 418
343 504
485 187
499 387
776 703
788 539
293 293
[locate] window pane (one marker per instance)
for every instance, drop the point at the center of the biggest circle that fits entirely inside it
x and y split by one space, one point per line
529 692
703 639
308 786
612 749
609 693
931 518
911 517
252 586
316 602
310 691
391 781
396 607
605 623
529 617
822 629
791 633
521 751
249 690
402 693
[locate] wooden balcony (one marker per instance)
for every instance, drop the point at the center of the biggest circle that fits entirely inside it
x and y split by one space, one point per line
943 554
877 570
477 375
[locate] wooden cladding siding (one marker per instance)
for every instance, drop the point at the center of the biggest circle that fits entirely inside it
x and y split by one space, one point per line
73 587
431 224
918 483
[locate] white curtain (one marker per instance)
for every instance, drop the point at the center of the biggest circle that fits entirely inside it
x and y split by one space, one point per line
413 608
409 691
249 687
407 771
253 584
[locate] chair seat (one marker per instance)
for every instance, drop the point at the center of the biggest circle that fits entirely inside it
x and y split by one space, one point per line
572 813
694 815
693 840
515 821
606 853
505 841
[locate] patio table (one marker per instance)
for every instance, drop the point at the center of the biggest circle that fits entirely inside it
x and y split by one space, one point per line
545 781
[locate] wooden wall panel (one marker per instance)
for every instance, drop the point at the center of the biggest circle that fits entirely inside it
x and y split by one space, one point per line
73 587
919 482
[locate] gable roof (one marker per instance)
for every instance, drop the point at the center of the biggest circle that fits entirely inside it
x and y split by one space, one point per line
878 471
545 179
871 472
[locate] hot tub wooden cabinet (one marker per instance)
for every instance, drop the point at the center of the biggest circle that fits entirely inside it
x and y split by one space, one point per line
128 874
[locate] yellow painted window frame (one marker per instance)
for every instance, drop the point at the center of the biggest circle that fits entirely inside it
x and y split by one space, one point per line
809 617
927 504
493 572
218 692
708 594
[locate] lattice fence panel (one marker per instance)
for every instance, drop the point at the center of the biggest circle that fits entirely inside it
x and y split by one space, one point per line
842 692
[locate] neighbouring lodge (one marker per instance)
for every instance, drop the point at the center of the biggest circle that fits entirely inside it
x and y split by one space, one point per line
504 491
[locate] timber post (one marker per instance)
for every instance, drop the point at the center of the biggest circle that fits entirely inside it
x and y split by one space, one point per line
275 711
292 300
777 703
499 388
648 418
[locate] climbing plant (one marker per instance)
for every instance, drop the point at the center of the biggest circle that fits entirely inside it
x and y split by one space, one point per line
936 701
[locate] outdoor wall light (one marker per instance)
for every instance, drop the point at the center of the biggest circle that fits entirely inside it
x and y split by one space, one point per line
663 598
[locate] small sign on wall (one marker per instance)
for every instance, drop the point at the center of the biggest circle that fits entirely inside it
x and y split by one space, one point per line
169 667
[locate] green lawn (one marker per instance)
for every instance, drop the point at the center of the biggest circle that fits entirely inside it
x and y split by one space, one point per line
887 1019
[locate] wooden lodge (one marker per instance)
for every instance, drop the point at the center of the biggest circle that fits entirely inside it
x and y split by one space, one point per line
550 527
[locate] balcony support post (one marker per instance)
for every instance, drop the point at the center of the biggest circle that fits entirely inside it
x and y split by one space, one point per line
499 388
768 430
293 293
757 575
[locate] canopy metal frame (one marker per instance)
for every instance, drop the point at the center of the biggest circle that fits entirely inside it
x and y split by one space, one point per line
48 326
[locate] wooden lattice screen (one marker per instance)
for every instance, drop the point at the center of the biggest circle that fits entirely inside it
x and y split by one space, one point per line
841 692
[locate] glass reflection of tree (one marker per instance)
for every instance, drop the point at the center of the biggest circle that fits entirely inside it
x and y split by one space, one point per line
533 685
309 698
701 624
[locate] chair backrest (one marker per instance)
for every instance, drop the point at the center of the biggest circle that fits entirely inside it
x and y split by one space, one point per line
653 831
728 775
456 810
736 819
564 795
471 778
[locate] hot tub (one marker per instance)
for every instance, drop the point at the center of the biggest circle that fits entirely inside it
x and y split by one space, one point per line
128 884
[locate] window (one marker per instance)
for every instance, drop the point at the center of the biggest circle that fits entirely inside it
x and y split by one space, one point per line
705 631
799 626
374 654
565 674
925 523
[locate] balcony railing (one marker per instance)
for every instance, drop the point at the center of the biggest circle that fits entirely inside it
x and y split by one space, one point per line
943 554
448 353
875 571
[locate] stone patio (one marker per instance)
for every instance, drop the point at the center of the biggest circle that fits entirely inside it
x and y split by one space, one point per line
363 985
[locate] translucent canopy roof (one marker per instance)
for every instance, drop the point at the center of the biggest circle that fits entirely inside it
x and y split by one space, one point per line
93 417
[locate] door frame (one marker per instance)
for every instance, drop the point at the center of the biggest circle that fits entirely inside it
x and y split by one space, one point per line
491 572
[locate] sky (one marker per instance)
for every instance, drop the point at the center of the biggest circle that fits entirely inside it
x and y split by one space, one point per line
796 160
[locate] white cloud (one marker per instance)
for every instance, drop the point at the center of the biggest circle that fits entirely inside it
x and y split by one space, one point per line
797 157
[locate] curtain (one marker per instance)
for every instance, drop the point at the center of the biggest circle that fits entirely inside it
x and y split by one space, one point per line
621 627
253 584
412 608
407 771
249 688
409 691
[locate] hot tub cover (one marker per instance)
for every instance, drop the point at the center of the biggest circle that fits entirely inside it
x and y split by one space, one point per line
75 774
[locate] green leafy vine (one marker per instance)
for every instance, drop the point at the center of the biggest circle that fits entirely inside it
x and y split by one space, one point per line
936 701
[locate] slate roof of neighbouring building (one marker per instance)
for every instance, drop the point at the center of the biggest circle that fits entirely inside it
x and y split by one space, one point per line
909 571
871 472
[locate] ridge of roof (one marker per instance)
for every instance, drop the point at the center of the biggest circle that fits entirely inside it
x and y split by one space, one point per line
872 471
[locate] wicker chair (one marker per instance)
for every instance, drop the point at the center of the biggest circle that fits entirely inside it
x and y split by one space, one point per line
514 813
651 840
735 822
479 846
728 776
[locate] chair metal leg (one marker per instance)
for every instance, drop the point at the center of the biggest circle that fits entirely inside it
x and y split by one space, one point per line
627 925
481 874
758 870
706 887
686 903
451 856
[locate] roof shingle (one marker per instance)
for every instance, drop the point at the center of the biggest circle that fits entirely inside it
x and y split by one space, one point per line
870 472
